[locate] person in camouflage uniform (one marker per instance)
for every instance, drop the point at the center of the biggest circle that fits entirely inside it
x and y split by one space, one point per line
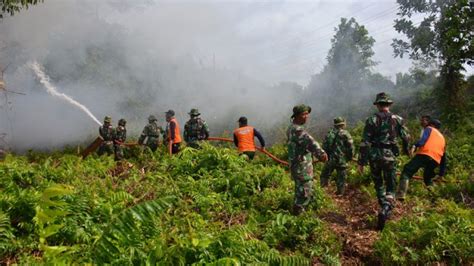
195 129
379 148
106 131
119 139
301 149
340 148
151 133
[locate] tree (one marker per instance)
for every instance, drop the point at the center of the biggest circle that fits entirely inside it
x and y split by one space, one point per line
445 36
14 6
347 78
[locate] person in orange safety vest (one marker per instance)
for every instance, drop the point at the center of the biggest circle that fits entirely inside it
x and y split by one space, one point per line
173 135
431 153
244 138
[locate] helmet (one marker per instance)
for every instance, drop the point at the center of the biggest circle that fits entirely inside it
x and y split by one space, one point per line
107 119
383 98
299 109
194 112
339 121
122 122
152 118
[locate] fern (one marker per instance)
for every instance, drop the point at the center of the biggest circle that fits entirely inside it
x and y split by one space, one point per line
124 229
6 235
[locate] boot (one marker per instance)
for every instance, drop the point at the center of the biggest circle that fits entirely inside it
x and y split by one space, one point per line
402 189
340 190
383 216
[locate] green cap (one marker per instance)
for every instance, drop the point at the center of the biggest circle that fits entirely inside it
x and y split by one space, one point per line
152 118
194 112
107 119
299 109
383 98
339 121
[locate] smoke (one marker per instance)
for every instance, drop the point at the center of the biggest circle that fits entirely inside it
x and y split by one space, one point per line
128 60
131 59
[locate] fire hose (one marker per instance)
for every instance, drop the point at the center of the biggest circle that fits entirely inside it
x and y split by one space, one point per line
279 160
258 148
99 141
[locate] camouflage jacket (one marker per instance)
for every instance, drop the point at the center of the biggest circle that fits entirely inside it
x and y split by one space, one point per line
195 129
107 133
339 146
301 148
151 132
120 134
379 139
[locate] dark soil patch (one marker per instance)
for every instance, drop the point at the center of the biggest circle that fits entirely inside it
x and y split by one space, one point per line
355 221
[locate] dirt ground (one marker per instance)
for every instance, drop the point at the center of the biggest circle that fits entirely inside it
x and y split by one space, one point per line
355 221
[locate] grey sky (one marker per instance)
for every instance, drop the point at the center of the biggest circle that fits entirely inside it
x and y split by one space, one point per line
222 57
268 40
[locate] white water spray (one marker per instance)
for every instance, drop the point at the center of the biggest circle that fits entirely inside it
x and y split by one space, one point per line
44 79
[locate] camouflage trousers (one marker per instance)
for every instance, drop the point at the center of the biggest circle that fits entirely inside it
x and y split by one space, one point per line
383 174
194 145
341 171
303 194
152 143
118 152
106 148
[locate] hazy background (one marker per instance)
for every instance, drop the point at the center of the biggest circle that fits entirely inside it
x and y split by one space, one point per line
135 58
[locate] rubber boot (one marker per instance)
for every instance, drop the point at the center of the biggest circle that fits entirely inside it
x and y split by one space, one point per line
383 216
340 190
402 189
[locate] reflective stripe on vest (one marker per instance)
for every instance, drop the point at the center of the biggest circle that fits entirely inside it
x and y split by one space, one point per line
177 134
434 146
245 137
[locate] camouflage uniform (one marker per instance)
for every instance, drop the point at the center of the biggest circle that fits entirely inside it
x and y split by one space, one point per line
301 149
379 149
106 131
151 133
119 139
195 129
340 148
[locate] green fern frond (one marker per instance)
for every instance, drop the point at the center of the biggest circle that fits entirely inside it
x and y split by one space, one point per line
124 230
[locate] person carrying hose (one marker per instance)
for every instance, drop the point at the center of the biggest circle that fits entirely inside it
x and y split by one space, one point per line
119 139
244 138
173 134
195 129
151 132
107 132
431 153
301 149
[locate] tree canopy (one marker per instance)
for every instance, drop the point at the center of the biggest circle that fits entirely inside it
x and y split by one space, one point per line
443 36
14 6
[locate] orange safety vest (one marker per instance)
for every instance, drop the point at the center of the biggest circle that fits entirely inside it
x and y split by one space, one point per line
177 134
434 146
245 137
